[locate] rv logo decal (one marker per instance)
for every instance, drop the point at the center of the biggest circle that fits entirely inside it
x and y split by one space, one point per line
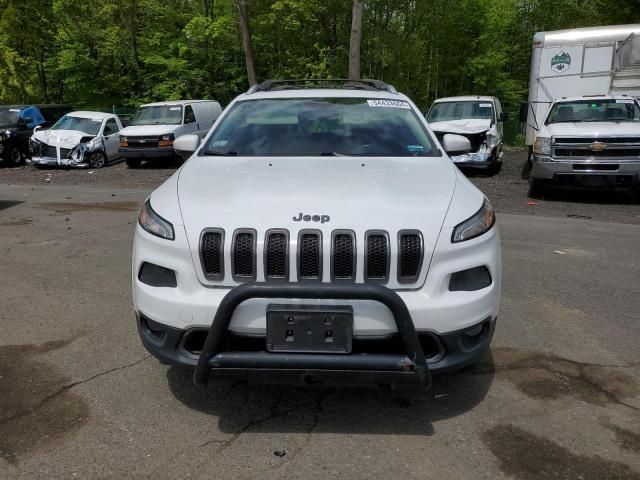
561 62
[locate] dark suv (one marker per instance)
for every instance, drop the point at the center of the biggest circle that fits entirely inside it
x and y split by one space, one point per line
16 127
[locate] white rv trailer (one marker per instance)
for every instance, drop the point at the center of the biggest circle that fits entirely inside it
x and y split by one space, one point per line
581 62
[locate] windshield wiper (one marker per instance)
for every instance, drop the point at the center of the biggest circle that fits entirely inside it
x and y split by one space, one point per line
331 154
220 153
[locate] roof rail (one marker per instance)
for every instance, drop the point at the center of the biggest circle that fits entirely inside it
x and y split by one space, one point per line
294 84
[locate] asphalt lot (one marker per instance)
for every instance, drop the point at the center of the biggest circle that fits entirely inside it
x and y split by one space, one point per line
557 397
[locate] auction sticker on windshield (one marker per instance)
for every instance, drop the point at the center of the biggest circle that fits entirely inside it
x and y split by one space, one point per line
388 103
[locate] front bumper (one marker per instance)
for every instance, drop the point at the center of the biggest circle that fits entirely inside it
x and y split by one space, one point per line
405 360
50 161
146 153
585 171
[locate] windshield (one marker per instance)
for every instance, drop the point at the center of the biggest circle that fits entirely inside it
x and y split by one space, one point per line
87 125
321 126
608 110
446 111
9 116
158 115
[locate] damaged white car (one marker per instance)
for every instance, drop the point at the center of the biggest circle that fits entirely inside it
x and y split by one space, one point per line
478 118
79 139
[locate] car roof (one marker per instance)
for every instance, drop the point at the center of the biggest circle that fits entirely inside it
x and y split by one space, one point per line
174 102
322 93
89 114
465 98
594 97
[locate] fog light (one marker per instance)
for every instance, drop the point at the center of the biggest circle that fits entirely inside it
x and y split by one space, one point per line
474 331
470 280
157 276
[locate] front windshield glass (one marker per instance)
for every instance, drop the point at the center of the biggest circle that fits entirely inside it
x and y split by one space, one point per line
607 110
158 115
89 126
8 115
447 111
321 126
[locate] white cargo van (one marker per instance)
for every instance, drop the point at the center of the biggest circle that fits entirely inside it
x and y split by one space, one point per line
155 126
584 62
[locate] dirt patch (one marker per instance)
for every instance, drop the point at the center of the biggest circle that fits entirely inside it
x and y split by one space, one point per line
17 222
65 207
548 377
529 457
38 409
626 438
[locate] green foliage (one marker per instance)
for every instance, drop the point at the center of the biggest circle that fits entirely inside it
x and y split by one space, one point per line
99 53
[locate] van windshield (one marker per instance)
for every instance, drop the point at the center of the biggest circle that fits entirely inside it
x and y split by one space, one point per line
321 126
603 110
158 115
447 111
81 124
9 116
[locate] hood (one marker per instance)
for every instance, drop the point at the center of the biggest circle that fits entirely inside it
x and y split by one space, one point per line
62 138
263 193
469 125
592 129
150 130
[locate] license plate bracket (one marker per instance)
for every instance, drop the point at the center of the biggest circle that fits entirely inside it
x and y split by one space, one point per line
309 328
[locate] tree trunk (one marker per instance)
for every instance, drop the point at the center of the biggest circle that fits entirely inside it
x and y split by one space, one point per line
356 38
241 5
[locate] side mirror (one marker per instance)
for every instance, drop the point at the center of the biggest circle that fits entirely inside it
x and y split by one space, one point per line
36 128
456 144
504 116
185 145
524 112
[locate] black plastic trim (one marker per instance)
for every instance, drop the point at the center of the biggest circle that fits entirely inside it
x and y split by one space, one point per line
209 276
265 251
254 235
367 234
354 265
413 278
318 233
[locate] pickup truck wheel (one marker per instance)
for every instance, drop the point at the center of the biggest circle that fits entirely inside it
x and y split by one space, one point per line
97 160
536 187
132 162
525 173
12 156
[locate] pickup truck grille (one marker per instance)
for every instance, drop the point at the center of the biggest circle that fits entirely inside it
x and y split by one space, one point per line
601 148
278 252
142 142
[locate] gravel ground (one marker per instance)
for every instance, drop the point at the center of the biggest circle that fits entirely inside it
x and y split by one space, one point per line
507 191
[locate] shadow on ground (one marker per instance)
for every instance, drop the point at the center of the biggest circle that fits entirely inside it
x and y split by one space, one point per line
240 406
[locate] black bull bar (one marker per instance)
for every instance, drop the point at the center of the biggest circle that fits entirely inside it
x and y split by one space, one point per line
409 369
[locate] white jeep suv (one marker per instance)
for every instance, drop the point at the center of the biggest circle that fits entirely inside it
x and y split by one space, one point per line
318 233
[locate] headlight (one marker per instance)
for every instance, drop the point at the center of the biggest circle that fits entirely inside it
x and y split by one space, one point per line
124 142
166 140
542 146
154 223
481 222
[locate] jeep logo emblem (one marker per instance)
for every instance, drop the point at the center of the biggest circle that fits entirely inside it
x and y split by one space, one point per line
311 218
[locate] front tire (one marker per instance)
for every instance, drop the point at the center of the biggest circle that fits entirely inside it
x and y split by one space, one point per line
133 162
97 160
525 173
12 156
537 187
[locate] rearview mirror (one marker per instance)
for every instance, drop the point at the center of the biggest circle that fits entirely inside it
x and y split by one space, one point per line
185 145
456 144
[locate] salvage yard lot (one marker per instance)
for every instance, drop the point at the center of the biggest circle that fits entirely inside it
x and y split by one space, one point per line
558 396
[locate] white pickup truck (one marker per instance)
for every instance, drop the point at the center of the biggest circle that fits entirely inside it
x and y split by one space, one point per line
591 141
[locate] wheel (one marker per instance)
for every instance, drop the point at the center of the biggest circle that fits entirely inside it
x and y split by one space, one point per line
132 162
97 160
495 167
536 187
12 156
